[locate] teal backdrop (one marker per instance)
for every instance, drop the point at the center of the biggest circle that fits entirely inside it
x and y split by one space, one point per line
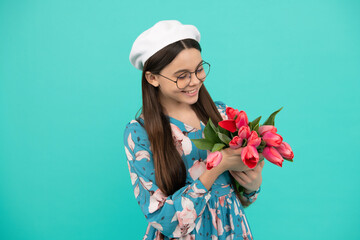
67 90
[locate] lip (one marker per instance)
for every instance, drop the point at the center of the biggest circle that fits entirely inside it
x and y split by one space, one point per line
191 93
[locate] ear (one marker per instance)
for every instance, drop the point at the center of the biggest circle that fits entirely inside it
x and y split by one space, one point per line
152 79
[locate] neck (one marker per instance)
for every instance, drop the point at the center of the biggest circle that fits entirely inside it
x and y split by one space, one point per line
173 108
178 110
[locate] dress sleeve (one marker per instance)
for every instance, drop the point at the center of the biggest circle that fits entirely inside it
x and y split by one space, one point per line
222 109
175 215
251 197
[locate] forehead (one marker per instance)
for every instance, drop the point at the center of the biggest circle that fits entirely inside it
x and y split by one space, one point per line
187 59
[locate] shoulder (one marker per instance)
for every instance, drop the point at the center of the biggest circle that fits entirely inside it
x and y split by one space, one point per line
135 132
221 106
134 126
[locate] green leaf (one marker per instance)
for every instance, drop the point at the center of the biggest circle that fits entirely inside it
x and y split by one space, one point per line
224 138
244 143
290 160
212 125
271 119
254 123
239 187
203 144
256 128
218 147
209 133
261 147
232 135
222 130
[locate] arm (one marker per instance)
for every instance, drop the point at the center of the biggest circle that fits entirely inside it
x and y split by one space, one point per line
251 181
173 215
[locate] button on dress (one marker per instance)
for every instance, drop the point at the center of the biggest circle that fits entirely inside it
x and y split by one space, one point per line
192 212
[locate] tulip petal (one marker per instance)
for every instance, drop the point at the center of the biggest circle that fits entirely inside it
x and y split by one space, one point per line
285 151
272 139
267 128
244 132
254 139
236 142
213 159
250 156
231 113
228 125
242 120
273 156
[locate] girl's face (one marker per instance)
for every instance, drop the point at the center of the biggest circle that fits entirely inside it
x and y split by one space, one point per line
169 94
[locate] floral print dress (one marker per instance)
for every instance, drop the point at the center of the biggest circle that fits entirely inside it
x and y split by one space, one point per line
192 211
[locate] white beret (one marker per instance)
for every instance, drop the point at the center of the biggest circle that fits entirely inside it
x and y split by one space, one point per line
157 37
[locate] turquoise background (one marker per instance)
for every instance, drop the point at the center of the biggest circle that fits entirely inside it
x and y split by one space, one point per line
67 89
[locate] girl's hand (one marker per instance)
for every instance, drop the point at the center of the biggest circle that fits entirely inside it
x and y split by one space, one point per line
250 179
231 160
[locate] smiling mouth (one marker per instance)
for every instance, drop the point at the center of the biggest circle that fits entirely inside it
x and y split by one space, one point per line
190 92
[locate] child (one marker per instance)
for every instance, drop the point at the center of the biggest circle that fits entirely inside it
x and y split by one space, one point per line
179 197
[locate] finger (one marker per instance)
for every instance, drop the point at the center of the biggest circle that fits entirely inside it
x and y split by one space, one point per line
235 173
239 179
237 176
241 182
244 177
260 165
249 175
237 151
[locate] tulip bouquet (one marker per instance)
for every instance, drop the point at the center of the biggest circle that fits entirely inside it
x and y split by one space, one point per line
237 131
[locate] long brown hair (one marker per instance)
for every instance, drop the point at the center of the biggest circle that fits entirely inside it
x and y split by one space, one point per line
170 171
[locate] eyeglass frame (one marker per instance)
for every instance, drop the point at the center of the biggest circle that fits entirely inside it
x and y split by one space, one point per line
177 79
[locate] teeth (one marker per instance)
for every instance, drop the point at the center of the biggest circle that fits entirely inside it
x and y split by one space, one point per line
191 91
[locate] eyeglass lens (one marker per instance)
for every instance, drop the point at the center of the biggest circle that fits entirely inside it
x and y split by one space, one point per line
201 72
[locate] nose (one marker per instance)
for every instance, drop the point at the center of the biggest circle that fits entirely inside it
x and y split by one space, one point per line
193 79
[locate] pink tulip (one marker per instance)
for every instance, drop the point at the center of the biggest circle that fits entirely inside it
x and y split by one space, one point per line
267 128
250 156
254 139
213 159
236 142
242 120
273 156
272 139
244 132
285 151
228 125
231 113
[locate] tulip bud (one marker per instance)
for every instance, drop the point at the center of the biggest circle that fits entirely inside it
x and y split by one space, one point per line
236 142
267 128
244 132
231 113
285 150
272 155
254 139
272 139
213 159
242 120
250 156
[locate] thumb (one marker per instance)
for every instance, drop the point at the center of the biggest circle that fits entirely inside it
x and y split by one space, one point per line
261 164
238 151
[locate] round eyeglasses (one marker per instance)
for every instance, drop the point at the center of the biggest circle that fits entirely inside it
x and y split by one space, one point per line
184 79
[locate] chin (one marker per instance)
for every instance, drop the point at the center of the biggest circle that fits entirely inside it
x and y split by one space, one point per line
192 101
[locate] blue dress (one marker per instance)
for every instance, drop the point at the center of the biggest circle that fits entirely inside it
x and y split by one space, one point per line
192 212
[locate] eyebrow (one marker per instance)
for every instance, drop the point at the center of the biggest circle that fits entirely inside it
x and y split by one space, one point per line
187 70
